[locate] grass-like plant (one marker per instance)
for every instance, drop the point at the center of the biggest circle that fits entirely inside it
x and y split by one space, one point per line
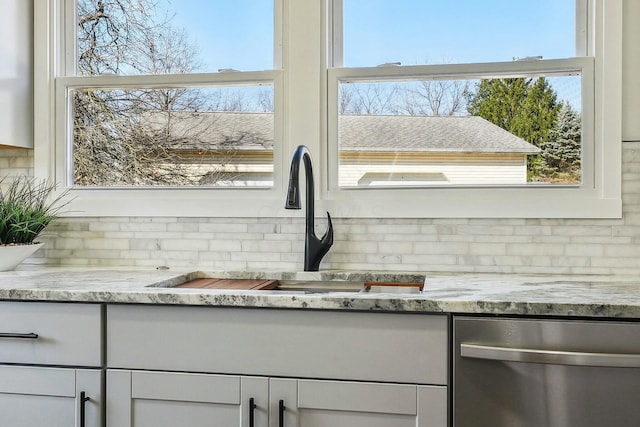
26 209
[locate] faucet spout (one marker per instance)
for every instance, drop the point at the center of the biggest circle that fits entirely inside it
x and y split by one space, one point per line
314 248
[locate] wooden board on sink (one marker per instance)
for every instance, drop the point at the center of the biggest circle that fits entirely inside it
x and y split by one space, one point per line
212 283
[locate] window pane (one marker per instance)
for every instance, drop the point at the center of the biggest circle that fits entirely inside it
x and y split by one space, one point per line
492 131
418 32
131 37
221 137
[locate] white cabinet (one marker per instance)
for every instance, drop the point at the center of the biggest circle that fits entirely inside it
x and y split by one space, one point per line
164 399
314 403
52 397
202 366
50 333
158 399
631 71
16 73
323 344
68 338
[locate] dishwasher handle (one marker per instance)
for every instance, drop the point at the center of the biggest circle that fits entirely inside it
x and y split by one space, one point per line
553 357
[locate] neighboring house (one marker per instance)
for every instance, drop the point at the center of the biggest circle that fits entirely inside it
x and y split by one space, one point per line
412 150
374 150
222 149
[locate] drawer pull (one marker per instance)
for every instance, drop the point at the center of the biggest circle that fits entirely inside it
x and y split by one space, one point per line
83 400
252 407
30 335
281 409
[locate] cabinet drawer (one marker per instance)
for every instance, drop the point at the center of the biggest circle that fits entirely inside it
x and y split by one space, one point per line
406 348
50 333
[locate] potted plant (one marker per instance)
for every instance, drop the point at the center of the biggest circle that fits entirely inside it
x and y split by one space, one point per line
26 208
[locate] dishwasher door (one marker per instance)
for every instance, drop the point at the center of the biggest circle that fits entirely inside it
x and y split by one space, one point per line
545 373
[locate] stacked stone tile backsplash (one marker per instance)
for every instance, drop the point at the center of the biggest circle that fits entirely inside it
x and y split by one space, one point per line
16 162
431 245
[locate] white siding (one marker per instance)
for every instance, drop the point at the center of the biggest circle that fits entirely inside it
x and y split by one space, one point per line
471 169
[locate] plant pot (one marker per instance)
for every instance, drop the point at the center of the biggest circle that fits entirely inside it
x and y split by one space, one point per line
12 255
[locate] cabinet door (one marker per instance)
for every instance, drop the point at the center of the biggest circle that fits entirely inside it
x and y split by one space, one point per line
52 397
158 399
16 73
311 403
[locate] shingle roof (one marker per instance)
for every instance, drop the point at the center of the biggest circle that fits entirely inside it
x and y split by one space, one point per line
363 133
468 134
228 130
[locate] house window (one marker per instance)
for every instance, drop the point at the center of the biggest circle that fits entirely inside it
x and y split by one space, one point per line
164 94
472 131
192 108
504 100
163 136
530 121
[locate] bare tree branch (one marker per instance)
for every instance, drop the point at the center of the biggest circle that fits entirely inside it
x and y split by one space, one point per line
141 136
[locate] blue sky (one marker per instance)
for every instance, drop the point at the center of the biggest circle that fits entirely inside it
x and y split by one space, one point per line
437 31
238 33
224 43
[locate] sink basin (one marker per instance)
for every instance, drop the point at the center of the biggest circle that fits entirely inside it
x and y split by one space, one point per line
200 280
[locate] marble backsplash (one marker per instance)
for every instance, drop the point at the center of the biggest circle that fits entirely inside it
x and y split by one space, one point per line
545 246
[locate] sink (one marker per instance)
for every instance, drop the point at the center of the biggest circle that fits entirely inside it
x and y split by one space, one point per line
201 280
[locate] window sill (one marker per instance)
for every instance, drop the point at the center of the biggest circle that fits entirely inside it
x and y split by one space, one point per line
434 203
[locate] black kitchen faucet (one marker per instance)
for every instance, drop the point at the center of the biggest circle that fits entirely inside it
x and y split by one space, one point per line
314 248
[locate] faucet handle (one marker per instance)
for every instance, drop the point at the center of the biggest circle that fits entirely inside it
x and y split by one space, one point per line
316 248
327 237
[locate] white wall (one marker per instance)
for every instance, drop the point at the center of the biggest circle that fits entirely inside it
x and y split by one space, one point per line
472 245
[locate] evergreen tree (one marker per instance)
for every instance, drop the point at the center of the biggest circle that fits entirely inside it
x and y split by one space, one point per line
539 113
526 107
562 151
498 100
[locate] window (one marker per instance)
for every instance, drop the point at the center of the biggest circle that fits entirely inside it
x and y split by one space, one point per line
161 107
474 131
216 136
168 132
192 108
504 101
453 122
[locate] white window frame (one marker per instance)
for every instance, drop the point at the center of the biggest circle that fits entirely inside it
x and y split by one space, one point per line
598 44
306 84
55 80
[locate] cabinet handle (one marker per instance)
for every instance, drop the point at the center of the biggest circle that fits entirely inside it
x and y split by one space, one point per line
252 407
29 335
281 409
83 400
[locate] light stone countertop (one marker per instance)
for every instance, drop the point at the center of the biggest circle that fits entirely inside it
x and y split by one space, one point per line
584 296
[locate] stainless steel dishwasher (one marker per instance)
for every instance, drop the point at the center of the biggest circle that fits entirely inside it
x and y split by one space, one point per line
545 373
